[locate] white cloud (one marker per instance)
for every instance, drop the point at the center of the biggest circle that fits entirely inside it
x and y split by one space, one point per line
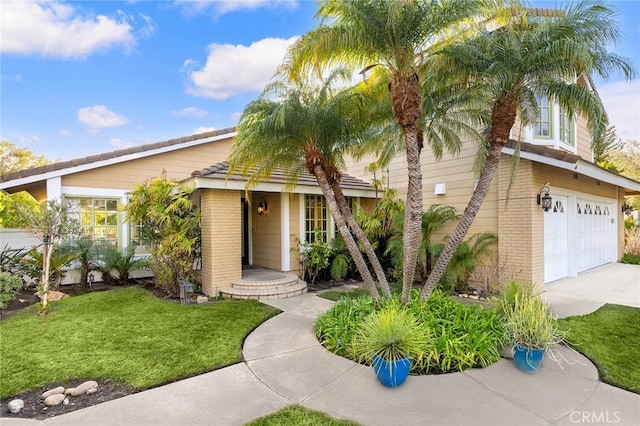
234 69
192 112
220 7
119 144
65 133
55 29
203 130
98 117
622 103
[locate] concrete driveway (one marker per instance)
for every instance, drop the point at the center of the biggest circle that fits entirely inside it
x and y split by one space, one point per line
614 283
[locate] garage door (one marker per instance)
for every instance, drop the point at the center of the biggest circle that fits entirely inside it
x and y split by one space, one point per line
595 230
556 247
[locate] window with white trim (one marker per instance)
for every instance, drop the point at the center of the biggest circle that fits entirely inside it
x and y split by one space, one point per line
567 126
315 218
99 218
543 127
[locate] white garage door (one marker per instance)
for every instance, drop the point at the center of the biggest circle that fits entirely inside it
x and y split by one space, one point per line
595 227
579 234
556 247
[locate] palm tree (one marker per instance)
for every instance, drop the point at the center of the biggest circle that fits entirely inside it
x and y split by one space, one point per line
305 126
397 36
531 55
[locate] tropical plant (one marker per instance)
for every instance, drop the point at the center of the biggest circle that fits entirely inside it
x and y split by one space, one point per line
10 259
9 284
397 37
86 251
531 55
341 261
303 125
169 223
122 262
50 222
530 324
61 256
512 290
632 246
315 257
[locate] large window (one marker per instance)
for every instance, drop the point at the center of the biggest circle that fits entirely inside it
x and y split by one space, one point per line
315 218
567 133
542 127
98 216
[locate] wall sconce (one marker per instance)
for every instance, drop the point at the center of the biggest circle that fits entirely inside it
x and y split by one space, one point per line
544 200
626 208
263 207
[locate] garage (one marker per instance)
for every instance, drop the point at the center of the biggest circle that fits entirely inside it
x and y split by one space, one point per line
579 234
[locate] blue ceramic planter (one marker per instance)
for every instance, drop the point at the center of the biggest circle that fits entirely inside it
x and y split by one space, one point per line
527 359
391 373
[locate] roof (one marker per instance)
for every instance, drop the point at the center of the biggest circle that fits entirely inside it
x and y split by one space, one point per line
216 177
568 161
100 160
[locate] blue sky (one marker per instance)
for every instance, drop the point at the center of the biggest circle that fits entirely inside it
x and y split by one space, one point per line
85 77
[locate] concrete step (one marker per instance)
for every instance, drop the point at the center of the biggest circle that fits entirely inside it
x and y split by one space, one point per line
265 293
287 280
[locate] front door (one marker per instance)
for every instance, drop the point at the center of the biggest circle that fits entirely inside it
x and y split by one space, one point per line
245 232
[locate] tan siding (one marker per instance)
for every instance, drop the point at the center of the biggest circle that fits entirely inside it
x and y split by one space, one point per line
583 138
566 179
266 231
178 164
221 239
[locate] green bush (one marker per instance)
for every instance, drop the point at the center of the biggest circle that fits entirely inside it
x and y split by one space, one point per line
462 336
630 259
9 283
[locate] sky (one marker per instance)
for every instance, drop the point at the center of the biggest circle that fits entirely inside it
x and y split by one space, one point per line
85 77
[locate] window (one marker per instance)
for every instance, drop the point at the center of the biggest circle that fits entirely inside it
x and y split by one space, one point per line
566 129
98 216
350 204
315 217
543 124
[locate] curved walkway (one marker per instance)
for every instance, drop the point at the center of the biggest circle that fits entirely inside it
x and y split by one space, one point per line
286 365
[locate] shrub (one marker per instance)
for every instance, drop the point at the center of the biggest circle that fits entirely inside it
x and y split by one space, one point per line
530 323
511 290
631 246
462 336
9 283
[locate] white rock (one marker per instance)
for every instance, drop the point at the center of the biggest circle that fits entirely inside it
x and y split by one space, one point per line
59 389
202 299
54 400
15 405
66 401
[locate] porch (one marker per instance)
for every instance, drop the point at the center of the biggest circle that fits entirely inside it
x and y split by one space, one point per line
262 283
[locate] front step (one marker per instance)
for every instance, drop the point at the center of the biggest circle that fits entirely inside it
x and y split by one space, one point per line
280 287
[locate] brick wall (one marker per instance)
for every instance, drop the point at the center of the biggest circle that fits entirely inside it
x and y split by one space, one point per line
221 239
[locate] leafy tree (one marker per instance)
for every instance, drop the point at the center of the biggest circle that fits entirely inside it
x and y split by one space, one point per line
605 144
627 161
9 217
50 222
305 125
13 158
398 37
530 55
170 224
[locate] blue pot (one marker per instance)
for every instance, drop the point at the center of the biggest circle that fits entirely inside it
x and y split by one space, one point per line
391 373
527 359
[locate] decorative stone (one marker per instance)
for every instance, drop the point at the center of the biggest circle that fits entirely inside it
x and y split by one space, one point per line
54 296
59 389
66 401
84 388
92 390
54 400
15 405
202 299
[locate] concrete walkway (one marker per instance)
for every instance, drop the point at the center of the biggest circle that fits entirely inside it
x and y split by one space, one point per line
286 365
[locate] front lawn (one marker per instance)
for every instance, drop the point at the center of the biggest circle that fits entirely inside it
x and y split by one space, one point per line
610 337
299 416
127 336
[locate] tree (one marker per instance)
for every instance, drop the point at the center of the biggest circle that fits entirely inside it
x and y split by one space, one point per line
529 56
9 217
605 144
50 223
305 125
627 161
13 158
397 37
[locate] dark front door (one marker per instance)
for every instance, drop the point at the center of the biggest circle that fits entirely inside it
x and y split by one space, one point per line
245 232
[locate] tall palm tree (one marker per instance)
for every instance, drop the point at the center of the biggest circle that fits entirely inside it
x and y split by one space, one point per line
532 55
303 125
397 36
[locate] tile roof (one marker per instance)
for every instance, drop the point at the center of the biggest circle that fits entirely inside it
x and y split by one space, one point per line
110 155
219 171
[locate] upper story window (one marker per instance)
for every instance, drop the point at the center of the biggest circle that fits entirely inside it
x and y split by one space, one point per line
567 129
543 126
315 218
552 126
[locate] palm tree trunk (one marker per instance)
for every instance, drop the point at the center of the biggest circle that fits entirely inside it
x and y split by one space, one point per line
413 212
362 238
503 114
344 231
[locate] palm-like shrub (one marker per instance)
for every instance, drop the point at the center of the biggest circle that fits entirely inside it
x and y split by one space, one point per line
530 324
112 260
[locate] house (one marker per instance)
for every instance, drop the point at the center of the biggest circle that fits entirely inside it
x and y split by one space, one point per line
261 227
584 226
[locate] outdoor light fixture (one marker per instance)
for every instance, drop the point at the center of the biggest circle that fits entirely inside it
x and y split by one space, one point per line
626 208
263 207
46 239
544 200
92 279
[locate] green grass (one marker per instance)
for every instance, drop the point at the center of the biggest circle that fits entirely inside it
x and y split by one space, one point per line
127 336
610 337
299 416
337 295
